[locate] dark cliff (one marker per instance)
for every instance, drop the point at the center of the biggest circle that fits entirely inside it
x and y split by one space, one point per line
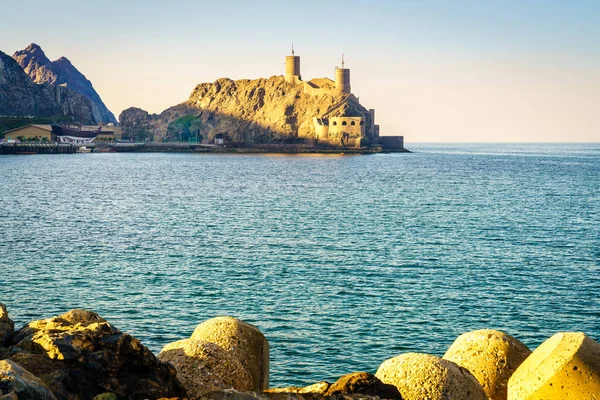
61 72
20 96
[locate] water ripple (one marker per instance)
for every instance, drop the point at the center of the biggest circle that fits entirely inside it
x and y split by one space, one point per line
342 262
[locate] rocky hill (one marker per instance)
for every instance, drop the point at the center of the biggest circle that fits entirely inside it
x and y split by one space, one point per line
255 111
20 96
61 72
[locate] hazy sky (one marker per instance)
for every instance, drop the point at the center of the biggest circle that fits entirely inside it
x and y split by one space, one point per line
434 70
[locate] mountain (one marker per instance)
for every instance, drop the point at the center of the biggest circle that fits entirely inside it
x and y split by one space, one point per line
20 96
61 72
254 111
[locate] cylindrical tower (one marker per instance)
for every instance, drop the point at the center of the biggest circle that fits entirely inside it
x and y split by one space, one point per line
342 79
292 68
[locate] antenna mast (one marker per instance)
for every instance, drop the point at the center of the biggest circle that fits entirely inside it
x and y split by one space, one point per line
293 49
342 60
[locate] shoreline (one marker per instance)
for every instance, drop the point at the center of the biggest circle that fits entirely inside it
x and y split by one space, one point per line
176 147
80 355
157 147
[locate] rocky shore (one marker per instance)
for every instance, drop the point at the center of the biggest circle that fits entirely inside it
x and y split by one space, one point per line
79 356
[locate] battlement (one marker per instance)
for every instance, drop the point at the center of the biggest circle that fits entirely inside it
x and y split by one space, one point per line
334 125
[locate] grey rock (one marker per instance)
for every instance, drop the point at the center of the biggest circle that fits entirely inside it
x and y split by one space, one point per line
17 381
63 73
6 325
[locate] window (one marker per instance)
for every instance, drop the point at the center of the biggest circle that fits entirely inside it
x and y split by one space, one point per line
352 123
334 123
344 123
362 123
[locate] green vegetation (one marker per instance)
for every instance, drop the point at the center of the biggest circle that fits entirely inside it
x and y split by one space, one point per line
185 129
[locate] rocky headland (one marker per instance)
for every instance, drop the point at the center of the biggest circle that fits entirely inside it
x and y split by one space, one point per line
259 111
79 356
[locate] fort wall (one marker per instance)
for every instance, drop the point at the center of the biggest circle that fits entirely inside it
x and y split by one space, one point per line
342 80
292 69
354 126
391 142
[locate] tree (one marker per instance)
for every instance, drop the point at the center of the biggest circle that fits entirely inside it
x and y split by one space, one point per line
181 129
195 127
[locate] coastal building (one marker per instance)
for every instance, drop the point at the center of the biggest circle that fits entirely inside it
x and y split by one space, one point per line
62 134
329 126
220 139
31 133
109 133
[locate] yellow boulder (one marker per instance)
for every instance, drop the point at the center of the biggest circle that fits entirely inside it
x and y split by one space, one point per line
422 376
243 341
204 367
566 366
491 356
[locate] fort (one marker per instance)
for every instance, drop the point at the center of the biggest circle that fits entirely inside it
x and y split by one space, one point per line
283 111
352 130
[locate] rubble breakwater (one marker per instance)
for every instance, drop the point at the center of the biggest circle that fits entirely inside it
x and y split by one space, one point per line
80 355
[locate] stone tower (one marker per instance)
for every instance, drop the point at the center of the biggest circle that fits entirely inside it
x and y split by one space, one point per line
292 67
342 78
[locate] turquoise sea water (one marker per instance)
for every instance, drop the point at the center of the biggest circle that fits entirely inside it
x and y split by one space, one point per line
342 261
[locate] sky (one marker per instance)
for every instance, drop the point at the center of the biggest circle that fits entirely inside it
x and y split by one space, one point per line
434 70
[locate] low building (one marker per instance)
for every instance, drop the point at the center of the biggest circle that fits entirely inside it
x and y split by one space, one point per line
31 133
220 139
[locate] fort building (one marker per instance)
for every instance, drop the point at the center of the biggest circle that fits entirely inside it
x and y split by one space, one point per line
342 78
351 130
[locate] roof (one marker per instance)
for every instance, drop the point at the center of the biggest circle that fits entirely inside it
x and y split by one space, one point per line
320 82
44 127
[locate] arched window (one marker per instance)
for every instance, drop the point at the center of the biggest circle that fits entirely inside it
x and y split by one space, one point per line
334 123
352 123
344 123
362 123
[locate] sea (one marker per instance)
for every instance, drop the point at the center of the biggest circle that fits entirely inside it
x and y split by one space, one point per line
342 261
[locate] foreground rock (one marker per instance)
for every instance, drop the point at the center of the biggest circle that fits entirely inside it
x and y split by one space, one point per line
79 355
17 382
422 376
6 325
235 395
319 388
566 366
491 356
243 341
363 383
357 383
204 367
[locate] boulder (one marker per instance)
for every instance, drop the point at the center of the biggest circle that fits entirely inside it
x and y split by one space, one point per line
106 396
319 388
17 382
244 341
230 394
491 356
204 367
566 366
363 383
6 325
357 383
422 376
79 355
